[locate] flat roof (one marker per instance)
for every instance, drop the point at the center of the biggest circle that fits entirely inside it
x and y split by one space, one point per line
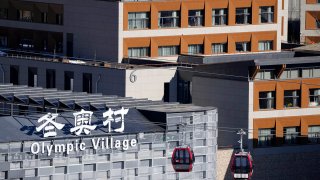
179 108
23 128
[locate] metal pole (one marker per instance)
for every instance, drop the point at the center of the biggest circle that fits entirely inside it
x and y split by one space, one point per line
241 132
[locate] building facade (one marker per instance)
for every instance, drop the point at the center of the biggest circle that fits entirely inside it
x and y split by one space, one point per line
310 21
154 83
161 29
156 128
274 98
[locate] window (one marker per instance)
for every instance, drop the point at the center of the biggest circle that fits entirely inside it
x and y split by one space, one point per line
243 46
265 74
219 17
266 14
314 134
218 48
290 135
25 15
138 52
3 41
243 16
26 43
290 74
44 17
195 49
317 23
266 100
266 137
195 18
59 19
168 19
138 20
314 97
291 98
311 72
3 13
265 45
168 50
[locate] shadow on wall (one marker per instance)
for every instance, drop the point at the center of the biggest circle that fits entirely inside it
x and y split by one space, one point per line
170 90
295 162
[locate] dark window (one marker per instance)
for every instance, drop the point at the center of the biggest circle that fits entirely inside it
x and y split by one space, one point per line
266 137
68 80
266 14
87 82
3 13
32 77
243 46
267 100
243 16
167 19
44 17
219 17
314 134
195 18
290 135
3 41
14 75
184 95
166 94
59 19
70 44
218 48
314 97
51 78
291 98
195 49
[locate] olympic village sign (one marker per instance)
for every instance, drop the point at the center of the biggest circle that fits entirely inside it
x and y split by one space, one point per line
82 126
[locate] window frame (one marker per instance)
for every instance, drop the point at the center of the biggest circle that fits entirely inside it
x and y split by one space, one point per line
223 14
199 47
224 48
269 13
267 43
173 52
296 99
196 20
315 97
147 49
271 101
246 14
242 43
175 20
145 21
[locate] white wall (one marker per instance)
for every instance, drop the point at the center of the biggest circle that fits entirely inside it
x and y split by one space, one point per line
149 83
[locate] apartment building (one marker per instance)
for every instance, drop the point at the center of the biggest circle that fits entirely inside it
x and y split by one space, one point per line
310 21
274 97
112 30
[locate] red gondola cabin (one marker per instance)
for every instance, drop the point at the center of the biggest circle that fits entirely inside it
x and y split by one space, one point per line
182 159
242 165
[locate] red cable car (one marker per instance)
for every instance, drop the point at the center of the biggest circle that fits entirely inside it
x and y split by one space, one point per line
182 159
242 165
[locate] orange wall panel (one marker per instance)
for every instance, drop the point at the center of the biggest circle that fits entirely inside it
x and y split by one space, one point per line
311 1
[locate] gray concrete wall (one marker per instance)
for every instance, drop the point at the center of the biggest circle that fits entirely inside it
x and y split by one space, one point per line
231 99
111 82
276 163
94 25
